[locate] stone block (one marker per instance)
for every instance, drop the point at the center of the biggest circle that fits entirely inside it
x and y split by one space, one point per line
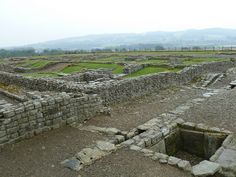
73 164
205 168
173 161
106 146
184 165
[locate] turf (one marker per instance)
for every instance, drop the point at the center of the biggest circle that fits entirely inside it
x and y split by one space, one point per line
151 70
202 60
116 69
34 63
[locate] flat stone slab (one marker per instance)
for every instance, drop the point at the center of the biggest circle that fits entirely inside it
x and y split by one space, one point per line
185 165
231 142
106 146
205 168
72 164
227 158
233 83
88 155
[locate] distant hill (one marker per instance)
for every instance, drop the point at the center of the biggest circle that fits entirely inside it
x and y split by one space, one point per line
205 37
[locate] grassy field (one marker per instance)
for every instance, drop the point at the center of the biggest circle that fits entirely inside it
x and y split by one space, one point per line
34 63
110 61
152 70
202 60
116 69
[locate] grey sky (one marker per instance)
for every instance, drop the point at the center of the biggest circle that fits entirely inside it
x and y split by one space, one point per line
30 21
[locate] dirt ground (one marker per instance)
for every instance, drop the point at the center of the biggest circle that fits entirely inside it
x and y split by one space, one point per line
127 163
126 116
40 156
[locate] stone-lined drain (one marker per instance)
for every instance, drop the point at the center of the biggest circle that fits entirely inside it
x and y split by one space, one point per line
192 144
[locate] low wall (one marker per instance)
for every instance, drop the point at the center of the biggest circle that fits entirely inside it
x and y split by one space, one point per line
131 68
113 91
33 117
116 91
6 68
40 84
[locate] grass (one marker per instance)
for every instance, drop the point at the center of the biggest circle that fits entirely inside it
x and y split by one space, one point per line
152 70
34 63
202 60
116 69
111 59
157 61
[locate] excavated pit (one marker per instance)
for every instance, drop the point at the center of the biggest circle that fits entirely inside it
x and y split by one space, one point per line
188 143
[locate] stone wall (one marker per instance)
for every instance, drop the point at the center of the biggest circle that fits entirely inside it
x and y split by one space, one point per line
40 84
89 76
33 117
116 91
113 91
131 68
7 68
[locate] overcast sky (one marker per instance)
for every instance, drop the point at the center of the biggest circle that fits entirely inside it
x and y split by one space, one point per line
30 21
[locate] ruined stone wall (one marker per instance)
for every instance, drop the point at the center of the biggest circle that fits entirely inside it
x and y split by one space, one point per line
40 84
88 76
116 91
33 117
131 68
6 68
113 91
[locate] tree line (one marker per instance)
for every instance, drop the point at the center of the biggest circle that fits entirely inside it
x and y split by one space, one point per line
26 52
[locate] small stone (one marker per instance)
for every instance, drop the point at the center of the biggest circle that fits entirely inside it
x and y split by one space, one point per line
163 161
120 138
106 146
43 147
147 151
184 165
179 121
202 126
190 125
148 142
72 164
141 144
88 155
173 160
127 142
205 168
112 131
165 131
135 148
163 158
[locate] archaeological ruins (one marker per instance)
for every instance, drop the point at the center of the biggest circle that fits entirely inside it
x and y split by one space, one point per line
166 123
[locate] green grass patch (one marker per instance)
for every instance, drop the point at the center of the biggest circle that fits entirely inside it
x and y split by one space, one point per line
202 60
116 69
152 70
157 61
34 63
